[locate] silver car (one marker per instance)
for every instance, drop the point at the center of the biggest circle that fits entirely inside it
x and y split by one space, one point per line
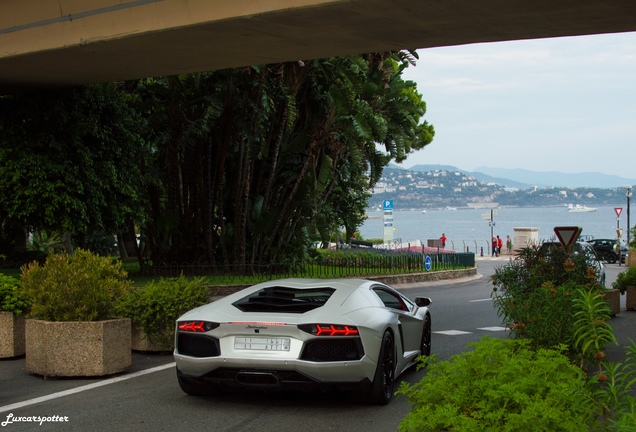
353 334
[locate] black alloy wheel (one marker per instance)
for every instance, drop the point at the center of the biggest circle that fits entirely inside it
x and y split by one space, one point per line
384 380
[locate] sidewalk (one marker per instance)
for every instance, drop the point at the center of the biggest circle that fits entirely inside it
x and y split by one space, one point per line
502 257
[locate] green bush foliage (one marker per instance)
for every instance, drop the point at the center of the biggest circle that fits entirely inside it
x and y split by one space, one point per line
536 266
535 297
591 330
624 279
11 297
81 286
155 307
612 389
502 385
369 258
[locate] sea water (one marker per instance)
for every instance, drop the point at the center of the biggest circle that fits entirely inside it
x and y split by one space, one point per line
471 228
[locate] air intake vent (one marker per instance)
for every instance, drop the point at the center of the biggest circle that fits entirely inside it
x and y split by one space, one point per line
333 350
197 345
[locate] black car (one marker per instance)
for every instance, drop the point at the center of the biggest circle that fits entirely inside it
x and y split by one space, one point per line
607 249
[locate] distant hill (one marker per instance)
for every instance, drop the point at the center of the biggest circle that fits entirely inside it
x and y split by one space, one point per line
524 179
559 179
497 179
440 186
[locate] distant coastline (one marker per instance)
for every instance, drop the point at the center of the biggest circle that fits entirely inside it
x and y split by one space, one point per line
471 228
435 189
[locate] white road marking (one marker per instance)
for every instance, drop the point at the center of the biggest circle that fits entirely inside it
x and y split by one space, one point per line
452 332
494 329
480 300
84 388
461 332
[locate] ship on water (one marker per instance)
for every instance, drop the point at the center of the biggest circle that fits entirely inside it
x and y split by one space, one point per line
578 208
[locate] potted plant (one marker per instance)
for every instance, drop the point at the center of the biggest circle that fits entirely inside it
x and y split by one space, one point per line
70 330
13 305
626 283
154 308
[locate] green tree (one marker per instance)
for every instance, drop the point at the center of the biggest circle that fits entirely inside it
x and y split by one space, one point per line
248 158
71 161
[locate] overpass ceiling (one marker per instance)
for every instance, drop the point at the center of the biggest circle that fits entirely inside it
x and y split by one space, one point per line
318 29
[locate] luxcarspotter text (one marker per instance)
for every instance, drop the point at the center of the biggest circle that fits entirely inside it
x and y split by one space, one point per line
34 419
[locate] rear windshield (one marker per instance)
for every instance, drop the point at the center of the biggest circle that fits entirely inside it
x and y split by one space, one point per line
284 299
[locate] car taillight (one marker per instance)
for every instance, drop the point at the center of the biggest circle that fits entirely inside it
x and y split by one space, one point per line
196 326
329 329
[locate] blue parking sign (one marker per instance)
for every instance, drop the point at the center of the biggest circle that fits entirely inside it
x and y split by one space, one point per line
387 205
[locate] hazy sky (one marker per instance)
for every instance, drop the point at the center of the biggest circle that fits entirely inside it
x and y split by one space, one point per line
565 104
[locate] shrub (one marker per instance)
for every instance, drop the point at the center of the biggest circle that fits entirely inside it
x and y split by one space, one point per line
101 243
537 266
591 329
535 297
613 393
45 242
624 279
77 287
155 307
11 297
370 258
502 385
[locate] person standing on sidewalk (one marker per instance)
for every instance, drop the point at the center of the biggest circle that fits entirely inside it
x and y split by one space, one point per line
499 245
509 244
494 246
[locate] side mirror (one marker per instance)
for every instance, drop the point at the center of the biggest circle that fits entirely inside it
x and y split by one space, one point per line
422 301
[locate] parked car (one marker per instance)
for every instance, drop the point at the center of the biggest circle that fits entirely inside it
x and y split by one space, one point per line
352 334
588 251
606 249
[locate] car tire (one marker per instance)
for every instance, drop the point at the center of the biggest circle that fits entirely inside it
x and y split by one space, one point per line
425 345
384 379
612 258
195 387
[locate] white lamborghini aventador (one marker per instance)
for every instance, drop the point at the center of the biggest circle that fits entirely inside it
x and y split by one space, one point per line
354 334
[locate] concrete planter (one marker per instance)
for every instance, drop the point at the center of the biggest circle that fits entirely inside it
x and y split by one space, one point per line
77 348
11 335
631 259
613 297
141 342
630 298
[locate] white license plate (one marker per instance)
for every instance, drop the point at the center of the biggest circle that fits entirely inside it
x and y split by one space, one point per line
261 343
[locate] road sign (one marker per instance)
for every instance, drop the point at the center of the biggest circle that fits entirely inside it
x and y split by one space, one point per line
618 211
428 263
567 235
387 205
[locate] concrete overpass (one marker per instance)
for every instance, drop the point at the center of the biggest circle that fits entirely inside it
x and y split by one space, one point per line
67 42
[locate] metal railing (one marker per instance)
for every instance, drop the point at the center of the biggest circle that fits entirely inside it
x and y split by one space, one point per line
348 265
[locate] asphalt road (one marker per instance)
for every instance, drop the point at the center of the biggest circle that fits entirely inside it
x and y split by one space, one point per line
148 398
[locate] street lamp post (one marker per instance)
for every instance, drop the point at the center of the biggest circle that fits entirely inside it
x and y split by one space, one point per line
492 234
628 195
